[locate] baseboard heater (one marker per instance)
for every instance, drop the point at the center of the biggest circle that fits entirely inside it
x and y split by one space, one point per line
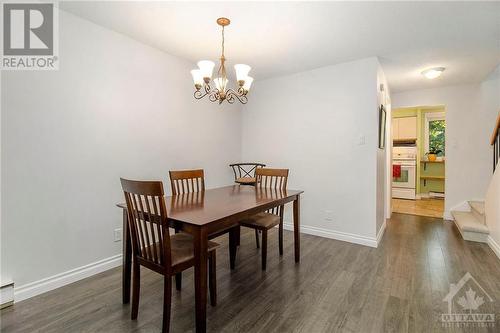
436 194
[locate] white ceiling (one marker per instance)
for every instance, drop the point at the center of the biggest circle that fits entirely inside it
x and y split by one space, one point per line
279 38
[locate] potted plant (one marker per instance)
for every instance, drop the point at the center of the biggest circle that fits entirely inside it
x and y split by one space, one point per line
432 154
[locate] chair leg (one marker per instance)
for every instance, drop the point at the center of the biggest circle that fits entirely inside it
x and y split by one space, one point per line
264 249
136 286
257 238
178 281
280 238
212 278
232 247
238 236
167 300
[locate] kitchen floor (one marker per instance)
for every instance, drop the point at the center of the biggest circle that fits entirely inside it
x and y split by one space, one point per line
422 207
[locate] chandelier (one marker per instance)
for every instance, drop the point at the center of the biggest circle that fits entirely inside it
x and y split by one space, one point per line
203 75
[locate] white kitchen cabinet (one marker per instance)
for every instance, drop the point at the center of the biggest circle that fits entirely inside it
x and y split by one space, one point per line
404 128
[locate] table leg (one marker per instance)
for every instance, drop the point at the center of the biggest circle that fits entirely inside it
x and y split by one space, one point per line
127 260
200 245
296 227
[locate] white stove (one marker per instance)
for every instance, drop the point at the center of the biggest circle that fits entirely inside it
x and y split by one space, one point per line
404 186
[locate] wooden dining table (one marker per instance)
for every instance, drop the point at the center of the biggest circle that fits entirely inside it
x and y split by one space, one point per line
212 212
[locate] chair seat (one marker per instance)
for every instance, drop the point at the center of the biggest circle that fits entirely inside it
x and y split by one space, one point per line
245 180
261 221
181 247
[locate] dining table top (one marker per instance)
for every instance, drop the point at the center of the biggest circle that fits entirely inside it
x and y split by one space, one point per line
211 205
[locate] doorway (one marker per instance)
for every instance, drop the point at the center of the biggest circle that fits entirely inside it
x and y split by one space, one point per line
419 159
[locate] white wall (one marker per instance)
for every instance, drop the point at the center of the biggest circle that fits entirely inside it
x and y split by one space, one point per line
490 99
468 128
312 123
116 108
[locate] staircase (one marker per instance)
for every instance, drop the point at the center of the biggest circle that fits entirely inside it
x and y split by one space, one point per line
472 224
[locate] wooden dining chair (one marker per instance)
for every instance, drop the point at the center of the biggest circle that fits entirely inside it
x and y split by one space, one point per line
154 248
187 181
192 181
268 180
244 173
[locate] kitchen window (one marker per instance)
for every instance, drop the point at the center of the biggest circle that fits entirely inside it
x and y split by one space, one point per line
435 128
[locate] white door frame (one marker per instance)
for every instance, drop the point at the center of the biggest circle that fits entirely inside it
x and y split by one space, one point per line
388 159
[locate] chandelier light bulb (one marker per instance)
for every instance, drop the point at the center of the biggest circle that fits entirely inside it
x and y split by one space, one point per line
242 71
248 83
206 68
220 83
197 78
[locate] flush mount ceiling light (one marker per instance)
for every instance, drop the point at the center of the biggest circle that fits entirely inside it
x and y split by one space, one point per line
433 73
221 92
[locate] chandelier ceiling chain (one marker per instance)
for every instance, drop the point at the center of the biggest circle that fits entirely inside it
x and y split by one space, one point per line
203 75
222 41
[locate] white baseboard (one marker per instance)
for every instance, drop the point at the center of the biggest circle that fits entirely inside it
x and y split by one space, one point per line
59 280
494 246
338 235
381 232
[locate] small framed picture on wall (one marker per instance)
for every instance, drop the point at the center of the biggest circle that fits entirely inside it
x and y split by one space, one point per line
381 129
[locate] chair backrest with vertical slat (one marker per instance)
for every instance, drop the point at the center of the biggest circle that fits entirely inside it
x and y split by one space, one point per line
275 179
271 178
187 181
147 216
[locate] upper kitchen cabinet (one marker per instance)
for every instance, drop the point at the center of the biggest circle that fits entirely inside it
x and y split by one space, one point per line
404 128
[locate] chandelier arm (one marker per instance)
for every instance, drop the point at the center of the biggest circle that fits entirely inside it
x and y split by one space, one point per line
231 94
242 91
198 94
214 96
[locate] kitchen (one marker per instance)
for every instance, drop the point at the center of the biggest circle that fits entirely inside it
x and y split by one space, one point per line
418 156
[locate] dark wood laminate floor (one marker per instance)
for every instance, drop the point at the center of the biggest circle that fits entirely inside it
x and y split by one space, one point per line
338 286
